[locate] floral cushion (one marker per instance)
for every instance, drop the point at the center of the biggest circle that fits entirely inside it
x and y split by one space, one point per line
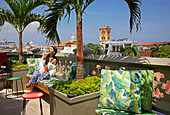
47 82
33 64
100 111
120 90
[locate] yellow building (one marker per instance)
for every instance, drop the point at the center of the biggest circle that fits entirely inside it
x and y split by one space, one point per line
105 34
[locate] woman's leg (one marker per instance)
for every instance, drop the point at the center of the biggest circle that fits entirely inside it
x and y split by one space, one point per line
31 87
34 78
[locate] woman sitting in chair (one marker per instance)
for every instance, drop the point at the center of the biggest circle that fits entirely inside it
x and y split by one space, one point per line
46 68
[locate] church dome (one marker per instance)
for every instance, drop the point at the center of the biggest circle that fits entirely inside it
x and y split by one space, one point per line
31 43
72 38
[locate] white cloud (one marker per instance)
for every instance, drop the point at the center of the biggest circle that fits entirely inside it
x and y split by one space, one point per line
7 28
32 27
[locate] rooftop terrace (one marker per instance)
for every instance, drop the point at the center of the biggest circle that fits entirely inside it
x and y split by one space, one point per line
14 106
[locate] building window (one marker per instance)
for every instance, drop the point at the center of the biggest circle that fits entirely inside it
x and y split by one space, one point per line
103 32
107 45
113 48
103 38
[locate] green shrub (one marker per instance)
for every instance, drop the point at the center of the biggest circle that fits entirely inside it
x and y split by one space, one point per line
19 66
13 62
89 85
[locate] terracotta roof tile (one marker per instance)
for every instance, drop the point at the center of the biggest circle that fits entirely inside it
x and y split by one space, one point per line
151 43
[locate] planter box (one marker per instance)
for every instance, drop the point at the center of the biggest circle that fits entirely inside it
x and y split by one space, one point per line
21 72
60 104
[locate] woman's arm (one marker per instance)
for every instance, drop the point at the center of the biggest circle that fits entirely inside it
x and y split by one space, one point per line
54 61
42 63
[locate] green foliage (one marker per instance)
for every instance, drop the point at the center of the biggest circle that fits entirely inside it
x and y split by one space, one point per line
13 62
131 51
122 49
155 50
89 85
19 66
64 8
164 51
97 49
20 15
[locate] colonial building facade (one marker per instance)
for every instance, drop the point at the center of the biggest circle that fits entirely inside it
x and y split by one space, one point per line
112 47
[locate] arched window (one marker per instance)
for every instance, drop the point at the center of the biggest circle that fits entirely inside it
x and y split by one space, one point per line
103 38
103 32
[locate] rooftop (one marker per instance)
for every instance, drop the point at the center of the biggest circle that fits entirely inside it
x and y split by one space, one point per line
14 106
151 43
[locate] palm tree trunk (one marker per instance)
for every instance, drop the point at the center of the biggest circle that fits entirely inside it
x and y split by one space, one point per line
20 48
80 57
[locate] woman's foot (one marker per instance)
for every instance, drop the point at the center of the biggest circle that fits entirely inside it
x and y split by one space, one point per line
27 86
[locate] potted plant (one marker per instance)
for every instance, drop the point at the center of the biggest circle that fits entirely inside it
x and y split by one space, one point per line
75 97
17 70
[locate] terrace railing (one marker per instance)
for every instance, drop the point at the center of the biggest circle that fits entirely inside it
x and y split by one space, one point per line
64 61
161 67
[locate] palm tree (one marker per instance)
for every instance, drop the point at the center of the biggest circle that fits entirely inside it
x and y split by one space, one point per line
63 8
97 49
155 50
131 51
19 16
90 45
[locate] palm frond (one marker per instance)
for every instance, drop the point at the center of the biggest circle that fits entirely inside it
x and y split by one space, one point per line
31 18
135 13
87 3
22 8
7 16
155 50
57 10
131 51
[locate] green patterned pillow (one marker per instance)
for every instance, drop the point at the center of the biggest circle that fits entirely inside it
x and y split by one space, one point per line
33 64
120 90
71 74
147 89
100 111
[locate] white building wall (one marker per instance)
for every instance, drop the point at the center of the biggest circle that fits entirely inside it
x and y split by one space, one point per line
69 49
117 45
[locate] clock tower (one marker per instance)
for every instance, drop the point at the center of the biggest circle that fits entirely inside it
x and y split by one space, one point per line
105 34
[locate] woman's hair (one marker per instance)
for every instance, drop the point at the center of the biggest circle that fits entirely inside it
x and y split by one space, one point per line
48 56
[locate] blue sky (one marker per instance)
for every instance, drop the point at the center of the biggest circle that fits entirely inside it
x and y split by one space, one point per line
115 13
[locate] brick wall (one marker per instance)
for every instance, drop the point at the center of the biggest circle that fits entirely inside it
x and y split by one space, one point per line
145 53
